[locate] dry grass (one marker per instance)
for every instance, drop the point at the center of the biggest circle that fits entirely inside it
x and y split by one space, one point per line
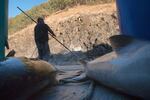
21 21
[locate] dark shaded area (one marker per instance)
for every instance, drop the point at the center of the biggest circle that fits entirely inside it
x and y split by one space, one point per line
98 50
66 58
11 53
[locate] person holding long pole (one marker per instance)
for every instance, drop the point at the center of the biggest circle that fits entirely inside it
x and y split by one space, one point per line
41 39
50 34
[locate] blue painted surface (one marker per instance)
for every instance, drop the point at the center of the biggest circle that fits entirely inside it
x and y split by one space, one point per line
134 17
3 26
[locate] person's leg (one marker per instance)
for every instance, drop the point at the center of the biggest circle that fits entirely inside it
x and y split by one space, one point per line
47 48
46 51
40 51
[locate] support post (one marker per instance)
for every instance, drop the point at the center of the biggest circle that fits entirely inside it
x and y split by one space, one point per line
3 26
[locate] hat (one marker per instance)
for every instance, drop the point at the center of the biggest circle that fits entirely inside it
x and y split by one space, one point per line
40 20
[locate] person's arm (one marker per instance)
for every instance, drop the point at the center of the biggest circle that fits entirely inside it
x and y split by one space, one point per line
51 32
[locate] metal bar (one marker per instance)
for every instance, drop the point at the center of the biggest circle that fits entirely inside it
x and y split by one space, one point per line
3 27
49 33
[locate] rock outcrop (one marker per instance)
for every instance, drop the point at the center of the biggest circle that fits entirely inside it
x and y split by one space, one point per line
81 29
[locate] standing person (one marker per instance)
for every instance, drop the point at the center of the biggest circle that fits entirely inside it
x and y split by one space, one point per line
41 39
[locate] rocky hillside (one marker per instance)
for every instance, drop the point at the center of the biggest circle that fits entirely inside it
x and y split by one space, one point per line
79 28
45 9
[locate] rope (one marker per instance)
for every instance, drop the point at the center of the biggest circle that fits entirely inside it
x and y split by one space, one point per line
33 52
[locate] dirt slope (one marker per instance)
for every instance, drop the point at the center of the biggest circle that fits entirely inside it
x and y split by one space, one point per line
79 28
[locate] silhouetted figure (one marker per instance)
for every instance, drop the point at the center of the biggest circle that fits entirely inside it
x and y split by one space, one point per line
41 39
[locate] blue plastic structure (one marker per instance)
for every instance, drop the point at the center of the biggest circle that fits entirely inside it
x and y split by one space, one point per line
3 26
134 18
